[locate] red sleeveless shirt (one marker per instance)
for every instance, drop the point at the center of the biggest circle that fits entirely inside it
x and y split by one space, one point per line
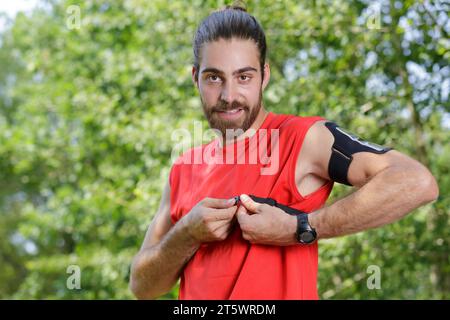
234 268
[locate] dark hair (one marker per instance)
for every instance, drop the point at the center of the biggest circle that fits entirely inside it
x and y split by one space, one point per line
231 21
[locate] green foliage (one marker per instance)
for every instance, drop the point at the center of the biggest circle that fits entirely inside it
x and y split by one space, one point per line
86 116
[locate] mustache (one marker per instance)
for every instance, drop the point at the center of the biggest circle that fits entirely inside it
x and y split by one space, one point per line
225 106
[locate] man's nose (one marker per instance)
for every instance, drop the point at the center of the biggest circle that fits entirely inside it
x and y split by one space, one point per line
229 93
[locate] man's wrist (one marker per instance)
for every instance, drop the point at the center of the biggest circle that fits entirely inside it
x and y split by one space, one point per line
292 228
292 225
313 220
186 234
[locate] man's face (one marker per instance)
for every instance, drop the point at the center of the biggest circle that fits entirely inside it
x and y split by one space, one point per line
230 83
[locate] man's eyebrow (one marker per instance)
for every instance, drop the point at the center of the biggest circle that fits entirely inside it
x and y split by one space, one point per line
217 71
212 70
245 69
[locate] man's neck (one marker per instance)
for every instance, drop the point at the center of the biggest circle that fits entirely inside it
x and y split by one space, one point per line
253 128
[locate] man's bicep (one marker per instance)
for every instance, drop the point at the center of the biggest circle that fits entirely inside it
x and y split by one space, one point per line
365 165
161 223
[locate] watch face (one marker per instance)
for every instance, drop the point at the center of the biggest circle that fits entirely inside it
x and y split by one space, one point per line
307 237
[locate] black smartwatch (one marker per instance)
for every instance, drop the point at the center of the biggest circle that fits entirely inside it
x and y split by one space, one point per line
305 233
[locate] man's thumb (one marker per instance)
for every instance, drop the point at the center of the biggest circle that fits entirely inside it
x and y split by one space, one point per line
249 204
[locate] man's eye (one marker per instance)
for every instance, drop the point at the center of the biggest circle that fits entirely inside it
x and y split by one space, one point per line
244 78
213 78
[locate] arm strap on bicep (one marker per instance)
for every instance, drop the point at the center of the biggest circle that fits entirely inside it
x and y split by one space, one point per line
344 146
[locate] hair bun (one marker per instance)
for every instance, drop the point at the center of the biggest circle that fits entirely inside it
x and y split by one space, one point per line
237 5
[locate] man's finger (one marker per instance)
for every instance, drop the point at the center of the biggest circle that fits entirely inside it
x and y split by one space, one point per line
218 203
249 204
242 214
224 214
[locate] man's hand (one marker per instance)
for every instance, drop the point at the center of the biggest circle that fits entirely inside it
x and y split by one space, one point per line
211 219
263 224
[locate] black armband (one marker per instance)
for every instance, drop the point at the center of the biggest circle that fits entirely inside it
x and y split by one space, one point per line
271 202
344 146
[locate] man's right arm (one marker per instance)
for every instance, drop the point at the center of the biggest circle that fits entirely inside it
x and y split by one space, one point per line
167 248
164 252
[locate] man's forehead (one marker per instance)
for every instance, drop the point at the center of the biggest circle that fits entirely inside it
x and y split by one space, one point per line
229 55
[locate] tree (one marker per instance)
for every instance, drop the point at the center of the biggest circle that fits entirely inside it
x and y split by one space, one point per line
86 115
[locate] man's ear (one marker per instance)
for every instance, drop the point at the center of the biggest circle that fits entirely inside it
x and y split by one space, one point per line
266 72
194 78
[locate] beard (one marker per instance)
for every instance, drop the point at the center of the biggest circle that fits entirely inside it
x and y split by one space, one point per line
244 122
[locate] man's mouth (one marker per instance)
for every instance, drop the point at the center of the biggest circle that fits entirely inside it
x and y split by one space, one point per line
231 114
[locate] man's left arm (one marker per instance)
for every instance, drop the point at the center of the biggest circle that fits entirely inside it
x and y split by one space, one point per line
389 185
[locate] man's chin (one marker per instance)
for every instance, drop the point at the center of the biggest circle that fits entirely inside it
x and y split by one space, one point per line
232 124
229 131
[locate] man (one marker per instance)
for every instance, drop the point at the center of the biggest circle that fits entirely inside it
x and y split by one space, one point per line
223 248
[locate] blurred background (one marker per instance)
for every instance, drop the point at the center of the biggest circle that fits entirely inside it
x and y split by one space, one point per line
90 92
